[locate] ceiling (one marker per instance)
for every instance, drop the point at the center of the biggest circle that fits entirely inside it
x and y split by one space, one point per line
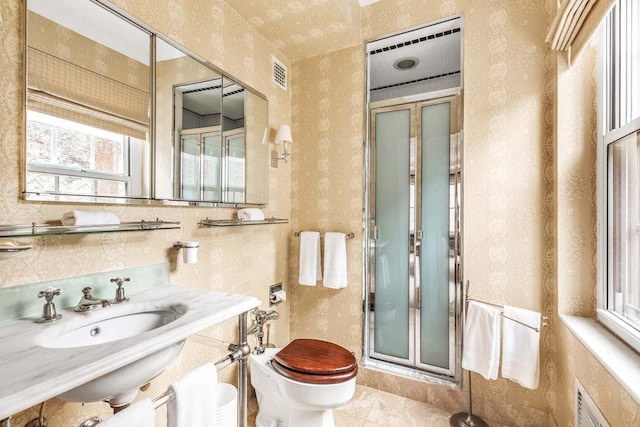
436 50
103 27
304 28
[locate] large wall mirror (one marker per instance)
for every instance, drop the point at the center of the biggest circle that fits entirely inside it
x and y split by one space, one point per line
116 113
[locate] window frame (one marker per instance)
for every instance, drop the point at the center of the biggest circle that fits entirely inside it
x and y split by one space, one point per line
129 154
611 100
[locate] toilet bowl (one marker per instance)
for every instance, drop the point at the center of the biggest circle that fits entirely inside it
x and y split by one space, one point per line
300 384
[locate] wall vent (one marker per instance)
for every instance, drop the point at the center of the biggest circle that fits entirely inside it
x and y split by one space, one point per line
279 75
587 413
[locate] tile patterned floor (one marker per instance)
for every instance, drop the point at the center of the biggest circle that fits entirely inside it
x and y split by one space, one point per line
375 408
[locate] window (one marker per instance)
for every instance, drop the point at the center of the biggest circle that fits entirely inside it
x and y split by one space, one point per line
68 158
619 172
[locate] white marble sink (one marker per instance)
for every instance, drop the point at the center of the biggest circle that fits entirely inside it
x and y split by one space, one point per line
114 328
61 359
120 386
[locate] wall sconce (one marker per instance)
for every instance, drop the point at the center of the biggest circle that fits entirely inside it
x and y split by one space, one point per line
190 253
283 136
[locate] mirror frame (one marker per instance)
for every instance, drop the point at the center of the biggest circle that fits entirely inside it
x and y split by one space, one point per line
154 35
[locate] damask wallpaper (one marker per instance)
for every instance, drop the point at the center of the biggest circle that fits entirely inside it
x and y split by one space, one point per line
519 196
528 187
241 260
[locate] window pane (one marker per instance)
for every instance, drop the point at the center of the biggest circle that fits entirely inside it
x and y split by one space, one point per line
624 228
58 142
41 182
109 154
39 142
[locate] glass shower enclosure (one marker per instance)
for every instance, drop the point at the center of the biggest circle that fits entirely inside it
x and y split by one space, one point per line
414 250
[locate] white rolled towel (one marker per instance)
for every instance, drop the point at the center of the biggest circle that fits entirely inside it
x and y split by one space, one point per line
90 218
251 214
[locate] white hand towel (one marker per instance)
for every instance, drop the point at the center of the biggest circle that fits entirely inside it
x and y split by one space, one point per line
521 347
195 399
310 270
140 414
482 340
251 214
335 260
90 218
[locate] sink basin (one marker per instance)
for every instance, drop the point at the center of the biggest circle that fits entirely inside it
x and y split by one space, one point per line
41 361
112 329
120 386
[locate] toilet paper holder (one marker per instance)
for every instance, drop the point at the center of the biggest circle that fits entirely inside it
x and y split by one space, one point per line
276 294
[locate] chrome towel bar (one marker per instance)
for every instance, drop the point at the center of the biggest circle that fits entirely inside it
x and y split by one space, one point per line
350 235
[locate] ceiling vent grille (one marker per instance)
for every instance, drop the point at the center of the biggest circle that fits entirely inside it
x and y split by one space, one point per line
279 76
587 413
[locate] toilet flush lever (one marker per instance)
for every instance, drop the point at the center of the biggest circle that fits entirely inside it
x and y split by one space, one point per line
260 318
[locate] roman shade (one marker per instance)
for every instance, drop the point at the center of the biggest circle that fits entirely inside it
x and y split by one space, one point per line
575 23
65 90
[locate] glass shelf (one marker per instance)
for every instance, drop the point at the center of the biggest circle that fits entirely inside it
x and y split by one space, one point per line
57 228
238 222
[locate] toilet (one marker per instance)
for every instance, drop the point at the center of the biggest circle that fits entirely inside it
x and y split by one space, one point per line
300 384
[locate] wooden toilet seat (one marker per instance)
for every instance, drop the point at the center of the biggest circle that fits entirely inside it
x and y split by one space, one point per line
315 362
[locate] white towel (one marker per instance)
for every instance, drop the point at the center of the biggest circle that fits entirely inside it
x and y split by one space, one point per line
140 414
335 260
310 270
251 214
521 347
482 340
90 218
195 399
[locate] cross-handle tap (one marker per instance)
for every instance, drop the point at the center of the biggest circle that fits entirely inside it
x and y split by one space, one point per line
120 297
49 309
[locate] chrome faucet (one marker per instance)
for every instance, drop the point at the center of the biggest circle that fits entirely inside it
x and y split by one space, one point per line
260 318
49 313
89 302
120 291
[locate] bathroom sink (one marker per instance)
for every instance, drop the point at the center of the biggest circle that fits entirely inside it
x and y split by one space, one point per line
121 385
131 343
112 329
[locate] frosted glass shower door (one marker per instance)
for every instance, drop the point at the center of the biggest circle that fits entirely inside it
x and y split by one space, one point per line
391 162
436 265
414 259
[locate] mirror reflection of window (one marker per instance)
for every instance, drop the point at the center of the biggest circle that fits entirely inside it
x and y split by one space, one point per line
233 108
236 159
190 170
188 102
87 103
212 164
91 67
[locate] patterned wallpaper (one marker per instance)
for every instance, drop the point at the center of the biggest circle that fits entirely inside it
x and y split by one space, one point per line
576 250
306 28
512 193
505 83
242 260
513 200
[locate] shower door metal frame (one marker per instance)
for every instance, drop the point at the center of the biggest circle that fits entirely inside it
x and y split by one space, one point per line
412 366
